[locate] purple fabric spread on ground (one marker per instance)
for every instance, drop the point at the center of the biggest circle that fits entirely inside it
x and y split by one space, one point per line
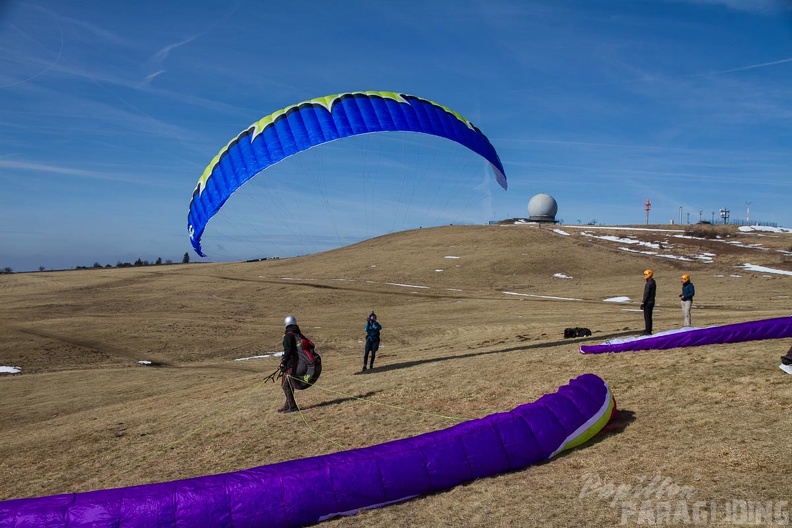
778 328
309 490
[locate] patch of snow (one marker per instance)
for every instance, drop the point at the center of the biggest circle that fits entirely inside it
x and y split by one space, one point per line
767 229
560 232
450 257
10 370
786 368
749 246
406 285
614 228
763 269
438 270
561 276
542 296
617 299
271 354
621 240
144 362
655 254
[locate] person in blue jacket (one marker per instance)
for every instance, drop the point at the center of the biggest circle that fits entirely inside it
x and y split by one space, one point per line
688 291
373 329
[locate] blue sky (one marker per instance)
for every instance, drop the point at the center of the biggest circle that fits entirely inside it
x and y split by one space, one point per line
109 112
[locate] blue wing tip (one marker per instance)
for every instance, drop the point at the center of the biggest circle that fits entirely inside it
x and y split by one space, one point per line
500 177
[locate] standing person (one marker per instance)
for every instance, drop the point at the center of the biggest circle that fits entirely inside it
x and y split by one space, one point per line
373 329
290 363
688 291
648 300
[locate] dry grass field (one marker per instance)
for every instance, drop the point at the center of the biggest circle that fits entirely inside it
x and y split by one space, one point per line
463 337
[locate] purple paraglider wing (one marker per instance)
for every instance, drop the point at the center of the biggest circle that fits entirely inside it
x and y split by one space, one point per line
309 490
778 328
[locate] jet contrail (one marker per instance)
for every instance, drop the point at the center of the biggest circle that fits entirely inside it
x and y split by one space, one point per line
744 68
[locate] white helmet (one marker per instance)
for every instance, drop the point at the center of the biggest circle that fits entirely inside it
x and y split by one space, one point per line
290 320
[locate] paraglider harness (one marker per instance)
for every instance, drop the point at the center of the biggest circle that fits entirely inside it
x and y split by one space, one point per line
309 362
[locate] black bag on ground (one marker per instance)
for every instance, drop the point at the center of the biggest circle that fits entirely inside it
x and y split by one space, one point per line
576 332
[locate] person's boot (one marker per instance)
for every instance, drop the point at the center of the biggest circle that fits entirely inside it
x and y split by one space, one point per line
787 359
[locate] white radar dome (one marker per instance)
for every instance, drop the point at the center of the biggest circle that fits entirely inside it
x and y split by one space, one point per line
542 208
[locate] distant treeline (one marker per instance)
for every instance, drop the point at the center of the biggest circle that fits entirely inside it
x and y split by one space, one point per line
119 264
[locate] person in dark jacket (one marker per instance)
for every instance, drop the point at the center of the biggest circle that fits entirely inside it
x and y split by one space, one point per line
373 329
648 300
290 363
686 297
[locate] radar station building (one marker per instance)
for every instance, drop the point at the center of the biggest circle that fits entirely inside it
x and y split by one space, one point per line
542 208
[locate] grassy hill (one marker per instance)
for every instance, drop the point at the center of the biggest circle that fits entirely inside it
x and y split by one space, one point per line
473 321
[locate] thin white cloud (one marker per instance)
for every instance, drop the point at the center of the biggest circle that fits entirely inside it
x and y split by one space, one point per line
162 54
750 6
743 68
46 63
96 35
151 76
61 170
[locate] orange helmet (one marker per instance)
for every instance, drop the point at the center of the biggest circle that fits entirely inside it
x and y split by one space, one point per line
648 274
685 277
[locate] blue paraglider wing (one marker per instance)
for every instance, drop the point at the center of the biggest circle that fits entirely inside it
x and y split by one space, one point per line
310 123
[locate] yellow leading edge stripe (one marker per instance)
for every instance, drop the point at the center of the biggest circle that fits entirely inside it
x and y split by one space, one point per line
326 102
